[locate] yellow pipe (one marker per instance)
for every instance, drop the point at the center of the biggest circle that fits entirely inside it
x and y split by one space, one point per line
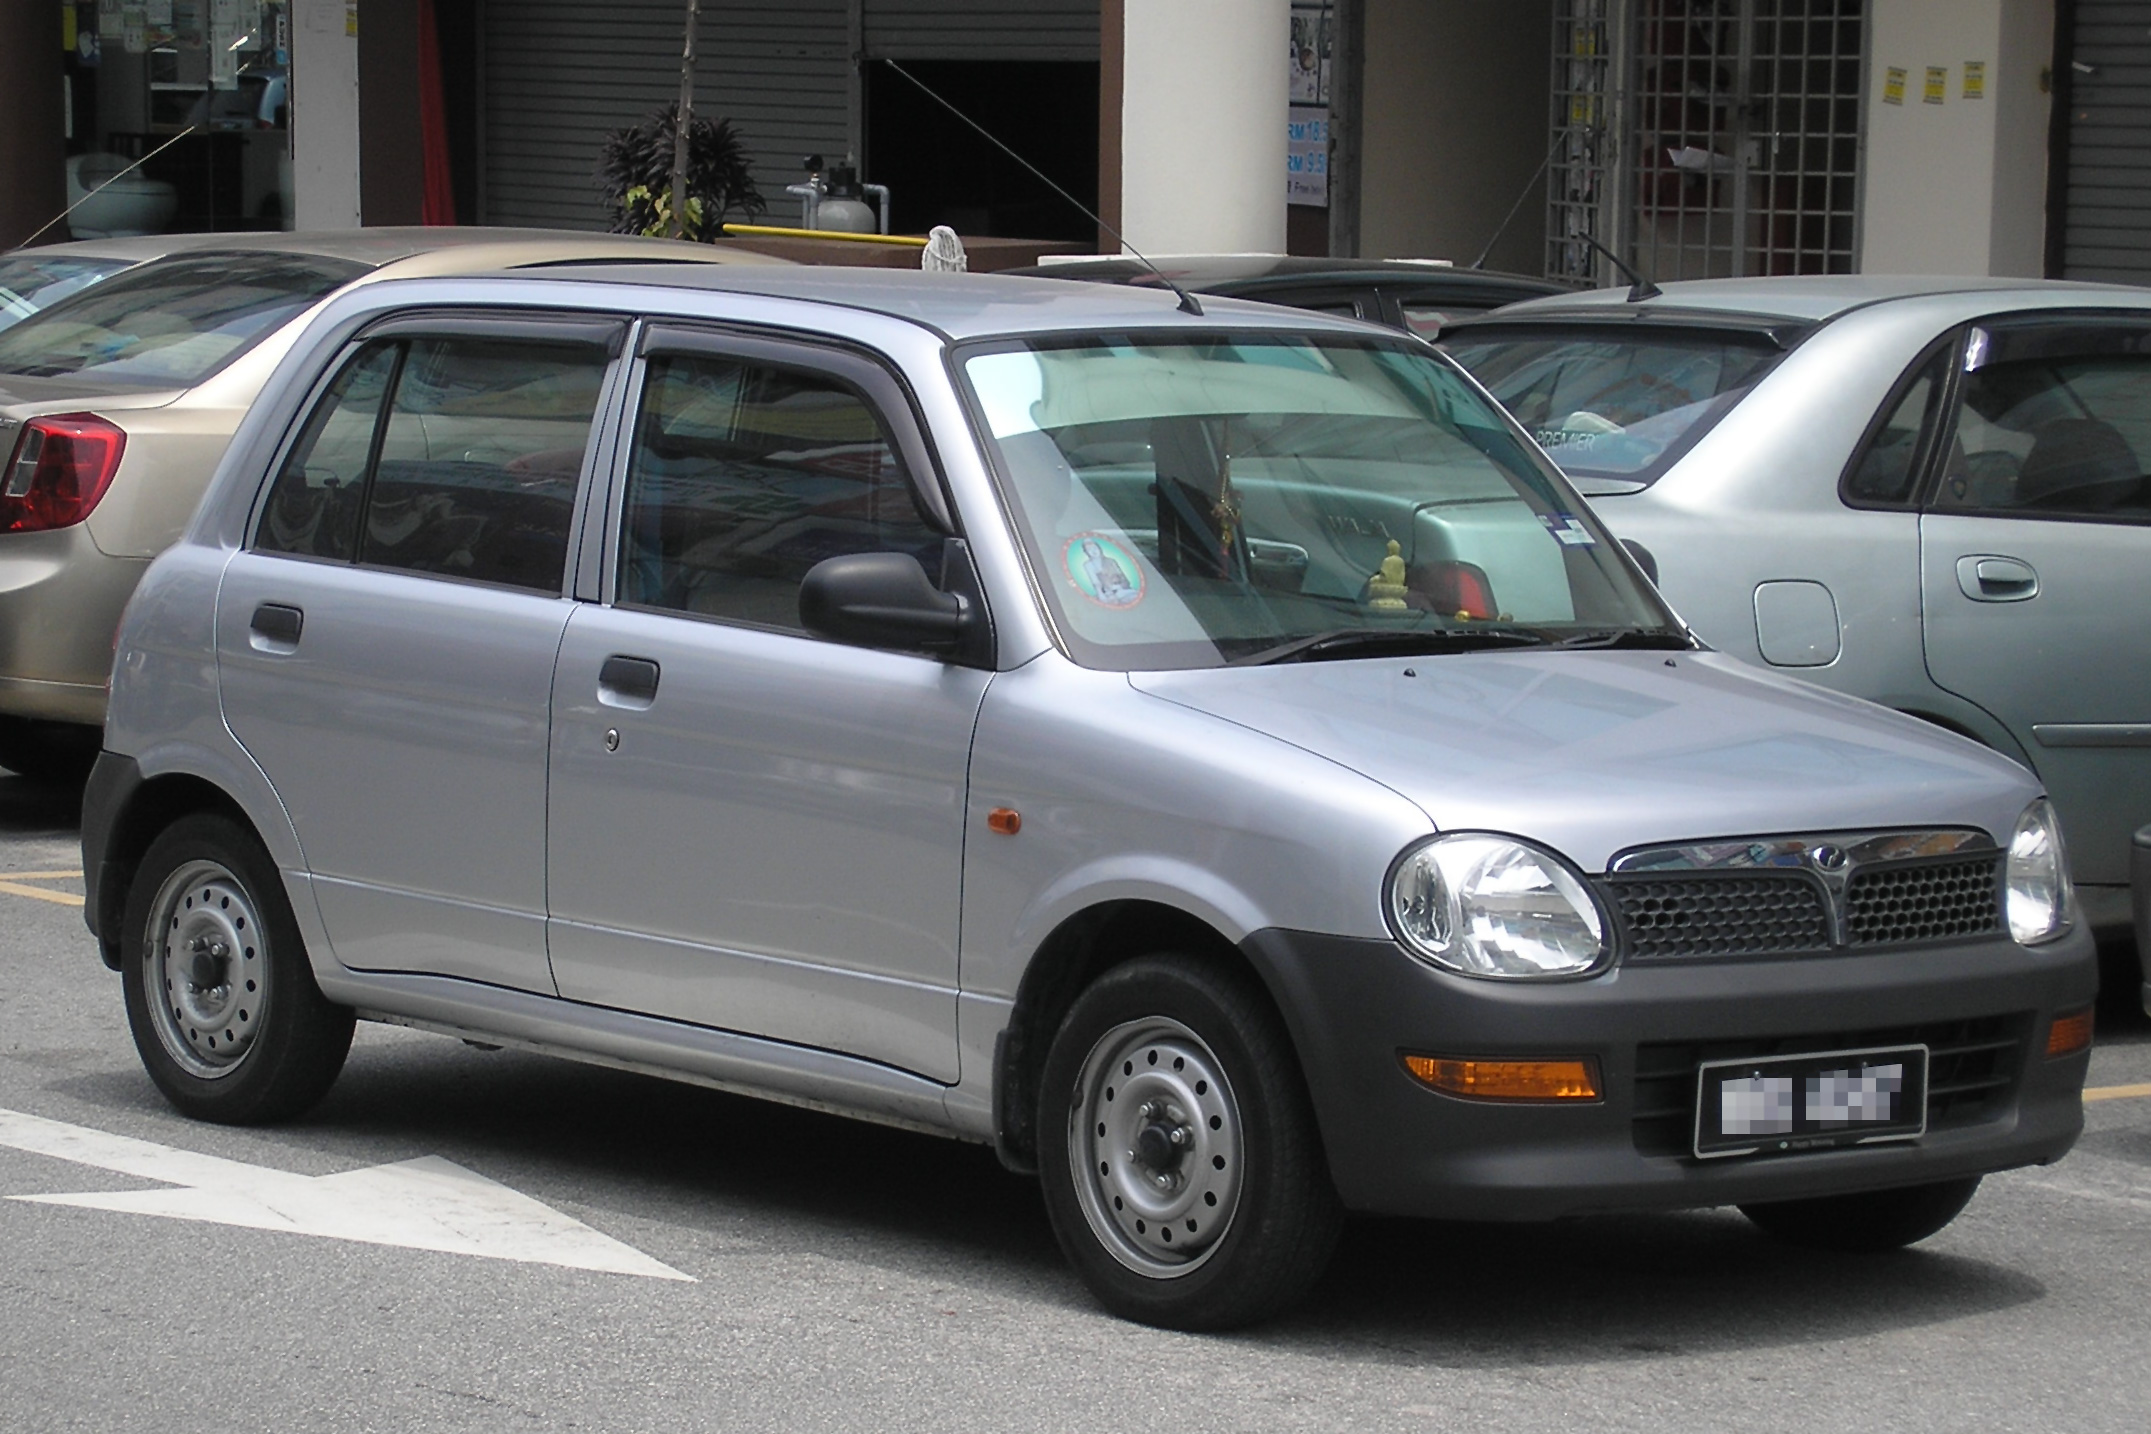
772 231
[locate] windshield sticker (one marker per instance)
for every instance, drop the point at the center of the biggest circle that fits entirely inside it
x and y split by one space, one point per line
1102 570
1567 531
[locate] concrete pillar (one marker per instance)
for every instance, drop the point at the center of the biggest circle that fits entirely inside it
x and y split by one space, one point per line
325 114
1202 133
1957 186
33 156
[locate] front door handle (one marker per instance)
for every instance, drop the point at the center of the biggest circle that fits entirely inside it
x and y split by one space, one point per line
276 626
1989 577
627 682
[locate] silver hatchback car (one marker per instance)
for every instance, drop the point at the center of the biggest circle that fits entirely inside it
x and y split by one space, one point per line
1213 757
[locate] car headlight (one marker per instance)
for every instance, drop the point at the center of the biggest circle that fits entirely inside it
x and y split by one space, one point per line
2036 886
1493 906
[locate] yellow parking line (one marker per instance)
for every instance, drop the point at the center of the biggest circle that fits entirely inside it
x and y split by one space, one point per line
16 888
2117 1092
75 875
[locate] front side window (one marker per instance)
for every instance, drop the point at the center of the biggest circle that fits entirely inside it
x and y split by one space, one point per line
455 457
171 323
745 475
1189 503
2054 420
1614 405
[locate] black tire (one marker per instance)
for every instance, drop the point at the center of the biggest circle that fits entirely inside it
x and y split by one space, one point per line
239 1033
1218 1147
1865 1223
55 753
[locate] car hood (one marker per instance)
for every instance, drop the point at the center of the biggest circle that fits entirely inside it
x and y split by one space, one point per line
1592 753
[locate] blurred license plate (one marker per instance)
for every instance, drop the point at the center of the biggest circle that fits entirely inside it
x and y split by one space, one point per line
1782 1104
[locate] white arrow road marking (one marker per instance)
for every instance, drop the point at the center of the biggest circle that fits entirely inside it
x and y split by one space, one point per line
423 1204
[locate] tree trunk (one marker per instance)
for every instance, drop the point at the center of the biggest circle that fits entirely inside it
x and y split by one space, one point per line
682 121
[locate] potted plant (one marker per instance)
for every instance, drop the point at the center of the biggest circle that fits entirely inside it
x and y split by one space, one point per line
636 172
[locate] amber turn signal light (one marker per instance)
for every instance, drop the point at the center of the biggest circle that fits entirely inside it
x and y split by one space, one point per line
1005 820
1508 1080
2069 1034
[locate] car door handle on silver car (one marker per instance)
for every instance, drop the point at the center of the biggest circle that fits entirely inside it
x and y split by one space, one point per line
629 682
1988 577
275 627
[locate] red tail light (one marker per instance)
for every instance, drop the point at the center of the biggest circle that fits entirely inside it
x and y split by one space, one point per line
61 466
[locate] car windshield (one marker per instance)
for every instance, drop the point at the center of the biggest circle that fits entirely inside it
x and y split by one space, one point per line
1614 405
171 323
29 282
1260 498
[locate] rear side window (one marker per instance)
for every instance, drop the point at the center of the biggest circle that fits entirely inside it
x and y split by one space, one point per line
1620 405
1890 460
744 476
2054 420
454 457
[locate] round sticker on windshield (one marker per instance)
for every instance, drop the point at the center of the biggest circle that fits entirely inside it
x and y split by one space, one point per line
1103 570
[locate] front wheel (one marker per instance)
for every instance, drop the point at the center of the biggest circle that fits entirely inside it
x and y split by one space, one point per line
1182 1169
1864 1223
221 1000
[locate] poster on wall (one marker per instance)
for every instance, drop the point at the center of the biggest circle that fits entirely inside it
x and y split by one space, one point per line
1309 62
1307 98
1307 155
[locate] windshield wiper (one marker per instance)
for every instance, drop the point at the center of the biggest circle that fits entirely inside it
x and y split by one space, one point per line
1633 639
1375 642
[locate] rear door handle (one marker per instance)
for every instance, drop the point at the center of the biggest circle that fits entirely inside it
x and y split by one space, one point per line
627 682
276 625
1989 577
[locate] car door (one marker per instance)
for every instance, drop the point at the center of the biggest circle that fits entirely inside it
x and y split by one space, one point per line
752 828
385 644
2035 556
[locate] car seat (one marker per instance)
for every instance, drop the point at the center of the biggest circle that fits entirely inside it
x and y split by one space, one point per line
2081 464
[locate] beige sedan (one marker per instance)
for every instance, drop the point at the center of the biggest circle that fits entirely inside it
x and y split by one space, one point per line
116 404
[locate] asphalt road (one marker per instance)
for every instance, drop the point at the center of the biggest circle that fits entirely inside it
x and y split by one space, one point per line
848 1277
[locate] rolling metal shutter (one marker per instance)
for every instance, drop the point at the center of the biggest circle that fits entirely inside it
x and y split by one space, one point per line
2106 221
560 73
982 29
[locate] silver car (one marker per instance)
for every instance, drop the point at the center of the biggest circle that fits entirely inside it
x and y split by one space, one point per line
1928 492
1214 758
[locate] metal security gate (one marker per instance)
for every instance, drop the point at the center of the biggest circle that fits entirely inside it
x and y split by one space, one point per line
2105 219
1706 138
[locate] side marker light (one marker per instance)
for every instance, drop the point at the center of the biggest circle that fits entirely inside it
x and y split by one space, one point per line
2069 1034
1005 820
1508 1080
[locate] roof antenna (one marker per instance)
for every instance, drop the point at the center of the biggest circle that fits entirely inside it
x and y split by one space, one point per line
1529 185
1187 300
1640 288
108 184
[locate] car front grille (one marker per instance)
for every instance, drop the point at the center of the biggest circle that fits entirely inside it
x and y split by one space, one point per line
1702 914
1972 1072
1908 901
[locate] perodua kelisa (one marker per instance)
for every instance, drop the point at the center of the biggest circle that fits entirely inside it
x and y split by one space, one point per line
1212 756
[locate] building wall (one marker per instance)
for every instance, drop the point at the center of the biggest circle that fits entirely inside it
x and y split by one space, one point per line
1455 128
324 115
1958 187
1202 142
33 159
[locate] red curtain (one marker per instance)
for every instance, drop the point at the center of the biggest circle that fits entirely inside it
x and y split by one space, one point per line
440 201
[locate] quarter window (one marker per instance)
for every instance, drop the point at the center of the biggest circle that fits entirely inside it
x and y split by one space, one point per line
1889 464
746 475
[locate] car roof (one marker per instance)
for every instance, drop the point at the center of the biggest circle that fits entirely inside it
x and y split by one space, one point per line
958 306
1807 298
376 247
1224 271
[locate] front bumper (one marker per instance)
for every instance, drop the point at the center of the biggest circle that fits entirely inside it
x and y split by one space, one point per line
1396 1147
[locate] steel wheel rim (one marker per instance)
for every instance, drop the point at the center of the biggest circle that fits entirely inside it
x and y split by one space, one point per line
1156 1146
205 970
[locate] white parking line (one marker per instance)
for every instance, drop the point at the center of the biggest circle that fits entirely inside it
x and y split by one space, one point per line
423 1204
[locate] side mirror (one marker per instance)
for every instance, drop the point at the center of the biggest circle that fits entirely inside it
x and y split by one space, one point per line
1644 559
883 600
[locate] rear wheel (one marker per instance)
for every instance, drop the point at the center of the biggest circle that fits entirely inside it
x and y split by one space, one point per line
1178 1150
221 1000
1867 1222
60 753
